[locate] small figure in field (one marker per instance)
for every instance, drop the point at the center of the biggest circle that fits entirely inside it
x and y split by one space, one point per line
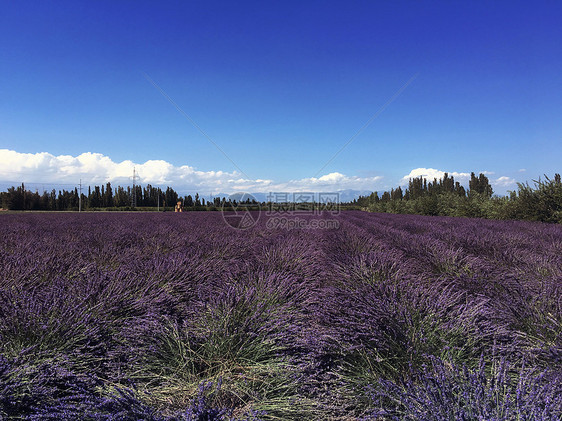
178 207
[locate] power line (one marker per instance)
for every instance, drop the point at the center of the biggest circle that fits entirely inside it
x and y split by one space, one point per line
43 183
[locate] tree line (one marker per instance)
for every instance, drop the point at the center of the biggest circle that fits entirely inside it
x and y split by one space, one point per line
102 197
447 197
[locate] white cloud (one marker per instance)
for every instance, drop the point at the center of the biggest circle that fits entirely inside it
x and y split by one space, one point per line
96 168
330 182
504 182
522 170
500 184
431 173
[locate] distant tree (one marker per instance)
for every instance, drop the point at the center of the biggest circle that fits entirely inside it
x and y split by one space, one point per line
416 187
121 198
171 197
95 199
108 196
485 186
460 189
16 198
448 183
53 200
396 194
45 201
385 197
4 197
140 197
480 185
542 203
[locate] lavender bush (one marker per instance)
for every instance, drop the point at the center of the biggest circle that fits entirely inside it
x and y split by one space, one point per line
181 317
443 392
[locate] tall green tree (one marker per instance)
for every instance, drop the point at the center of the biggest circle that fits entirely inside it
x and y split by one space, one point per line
108 196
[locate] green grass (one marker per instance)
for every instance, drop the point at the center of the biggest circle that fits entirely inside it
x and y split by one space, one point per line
231 342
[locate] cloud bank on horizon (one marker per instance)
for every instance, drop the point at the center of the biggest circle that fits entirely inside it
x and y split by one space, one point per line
96 168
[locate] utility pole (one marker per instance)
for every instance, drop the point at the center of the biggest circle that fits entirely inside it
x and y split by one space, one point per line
134 192
80 198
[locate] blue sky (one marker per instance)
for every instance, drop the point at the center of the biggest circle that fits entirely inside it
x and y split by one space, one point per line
280 88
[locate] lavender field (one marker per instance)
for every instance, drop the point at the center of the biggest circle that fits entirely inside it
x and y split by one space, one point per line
181 317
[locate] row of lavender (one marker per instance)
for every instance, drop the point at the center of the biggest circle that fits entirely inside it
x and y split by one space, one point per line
181 317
